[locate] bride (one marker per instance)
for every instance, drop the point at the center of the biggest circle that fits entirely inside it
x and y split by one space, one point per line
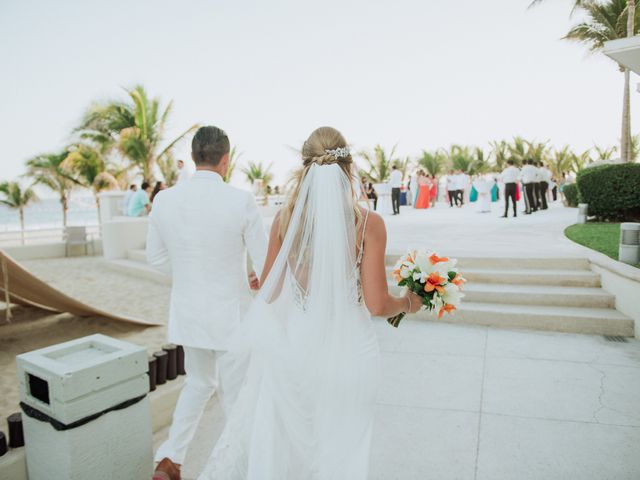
301 375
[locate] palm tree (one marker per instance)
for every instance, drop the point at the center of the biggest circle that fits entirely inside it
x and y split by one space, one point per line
169 169
578 162
561 161
14 197
479 163
379 163
136 128
609 20
518 150
257 171
460 158
500 152
403 166
233 162
48 170
434 163
87 167
604 153
537 151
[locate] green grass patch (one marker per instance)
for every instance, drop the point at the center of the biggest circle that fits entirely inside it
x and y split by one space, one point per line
601 237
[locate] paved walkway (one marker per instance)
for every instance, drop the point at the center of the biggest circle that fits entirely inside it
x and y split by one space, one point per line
476 403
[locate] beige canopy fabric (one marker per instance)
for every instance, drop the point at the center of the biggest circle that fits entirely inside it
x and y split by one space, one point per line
20 287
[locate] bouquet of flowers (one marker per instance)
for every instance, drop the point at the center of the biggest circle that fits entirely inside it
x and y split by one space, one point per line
435 279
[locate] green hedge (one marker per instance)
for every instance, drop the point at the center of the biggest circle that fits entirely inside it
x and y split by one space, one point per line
612 191
570 191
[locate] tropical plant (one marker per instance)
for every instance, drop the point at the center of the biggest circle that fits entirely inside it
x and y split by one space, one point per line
403 166
579 162
537 151
518 150
500 153
48 170
434 163
257 171
560 161
605 21
135 127
479 164
13 196
378 163
460 158
233 162
86 166
169 169
604 153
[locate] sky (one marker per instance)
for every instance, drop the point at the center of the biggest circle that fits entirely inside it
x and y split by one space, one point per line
417 73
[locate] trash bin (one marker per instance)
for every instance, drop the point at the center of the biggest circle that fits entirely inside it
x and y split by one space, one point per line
86 413
629 251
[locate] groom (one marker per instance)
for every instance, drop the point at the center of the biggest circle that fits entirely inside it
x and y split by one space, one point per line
199 231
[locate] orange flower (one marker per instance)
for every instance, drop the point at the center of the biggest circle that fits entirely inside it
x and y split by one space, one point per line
447 308
434 282
436 259
458 280
396 275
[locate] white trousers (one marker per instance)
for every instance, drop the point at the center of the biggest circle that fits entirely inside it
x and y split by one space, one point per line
200 384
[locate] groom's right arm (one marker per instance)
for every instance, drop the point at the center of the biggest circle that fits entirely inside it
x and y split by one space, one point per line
157 253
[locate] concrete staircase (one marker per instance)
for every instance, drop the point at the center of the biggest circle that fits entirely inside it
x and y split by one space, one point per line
554 294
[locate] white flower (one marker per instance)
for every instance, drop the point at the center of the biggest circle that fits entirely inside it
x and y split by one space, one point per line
452 294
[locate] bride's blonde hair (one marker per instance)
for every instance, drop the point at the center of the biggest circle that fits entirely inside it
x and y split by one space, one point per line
314 151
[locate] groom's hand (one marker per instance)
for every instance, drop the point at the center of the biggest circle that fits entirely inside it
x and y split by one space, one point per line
254 281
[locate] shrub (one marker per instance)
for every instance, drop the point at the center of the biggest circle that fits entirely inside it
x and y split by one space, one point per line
570 192
612 191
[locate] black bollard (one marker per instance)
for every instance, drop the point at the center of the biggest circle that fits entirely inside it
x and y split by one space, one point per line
161 367
180 356
152 372
16 436
172 361
3 444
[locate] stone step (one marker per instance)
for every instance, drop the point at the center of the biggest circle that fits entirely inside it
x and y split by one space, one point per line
137 255
559 296
506 263
594 321
565 278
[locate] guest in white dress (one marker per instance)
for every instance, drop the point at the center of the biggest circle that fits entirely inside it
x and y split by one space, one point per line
483 186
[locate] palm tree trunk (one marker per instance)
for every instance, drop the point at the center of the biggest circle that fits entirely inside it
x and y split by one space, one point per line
625 142
65 209
626 153
21 210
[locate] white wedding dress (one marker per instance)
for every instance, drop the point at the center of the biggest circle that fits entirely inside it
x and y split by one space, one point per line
300 379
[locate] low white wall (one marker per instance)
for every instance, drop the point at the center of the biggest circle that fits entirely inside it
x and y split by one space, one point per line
51 250
623 281
121 234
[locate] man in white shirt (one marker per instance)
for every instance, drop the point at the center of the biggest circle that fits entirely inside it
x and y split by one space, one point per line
544 175
200 232
510 176
452 187
395 181
127 198
529 179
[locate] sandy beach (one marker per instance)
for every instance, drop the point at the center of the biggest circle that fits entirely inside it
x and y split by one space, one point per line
88 280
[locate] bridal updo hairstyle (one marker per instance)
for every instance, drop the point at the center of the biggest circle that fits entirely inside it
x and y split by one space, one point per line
209 145
314 152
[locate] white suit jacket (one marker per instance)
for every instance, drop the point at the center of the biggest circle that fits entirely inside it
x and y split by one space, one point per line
200 231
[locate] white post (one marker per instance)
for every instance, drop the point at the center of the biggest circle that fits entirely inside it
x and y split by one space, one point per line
629 250
583 210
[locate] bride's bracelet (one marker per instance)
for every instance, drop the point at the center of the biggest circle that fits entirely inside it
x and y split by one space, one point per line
408 298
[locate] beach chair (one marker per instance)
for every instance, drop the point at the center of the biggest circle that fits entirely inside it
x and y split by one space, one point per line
76 236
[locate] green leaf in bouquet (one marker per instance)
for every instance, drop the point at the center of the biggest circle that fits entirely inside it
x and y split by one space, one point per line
452 275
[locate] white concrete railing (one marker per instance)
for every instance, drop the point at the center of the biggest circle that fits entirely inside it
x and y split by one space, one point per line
39 236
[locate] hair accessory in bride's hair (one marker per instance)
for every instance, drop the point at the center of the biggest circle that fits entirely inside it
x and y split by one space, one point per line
341 152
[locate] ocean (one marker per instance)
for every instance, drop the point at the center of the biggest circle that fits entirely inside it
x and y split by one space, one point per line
47 214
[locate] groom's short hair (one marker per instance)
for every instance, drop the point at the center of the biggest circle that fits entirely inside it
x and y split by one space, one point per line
209 145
